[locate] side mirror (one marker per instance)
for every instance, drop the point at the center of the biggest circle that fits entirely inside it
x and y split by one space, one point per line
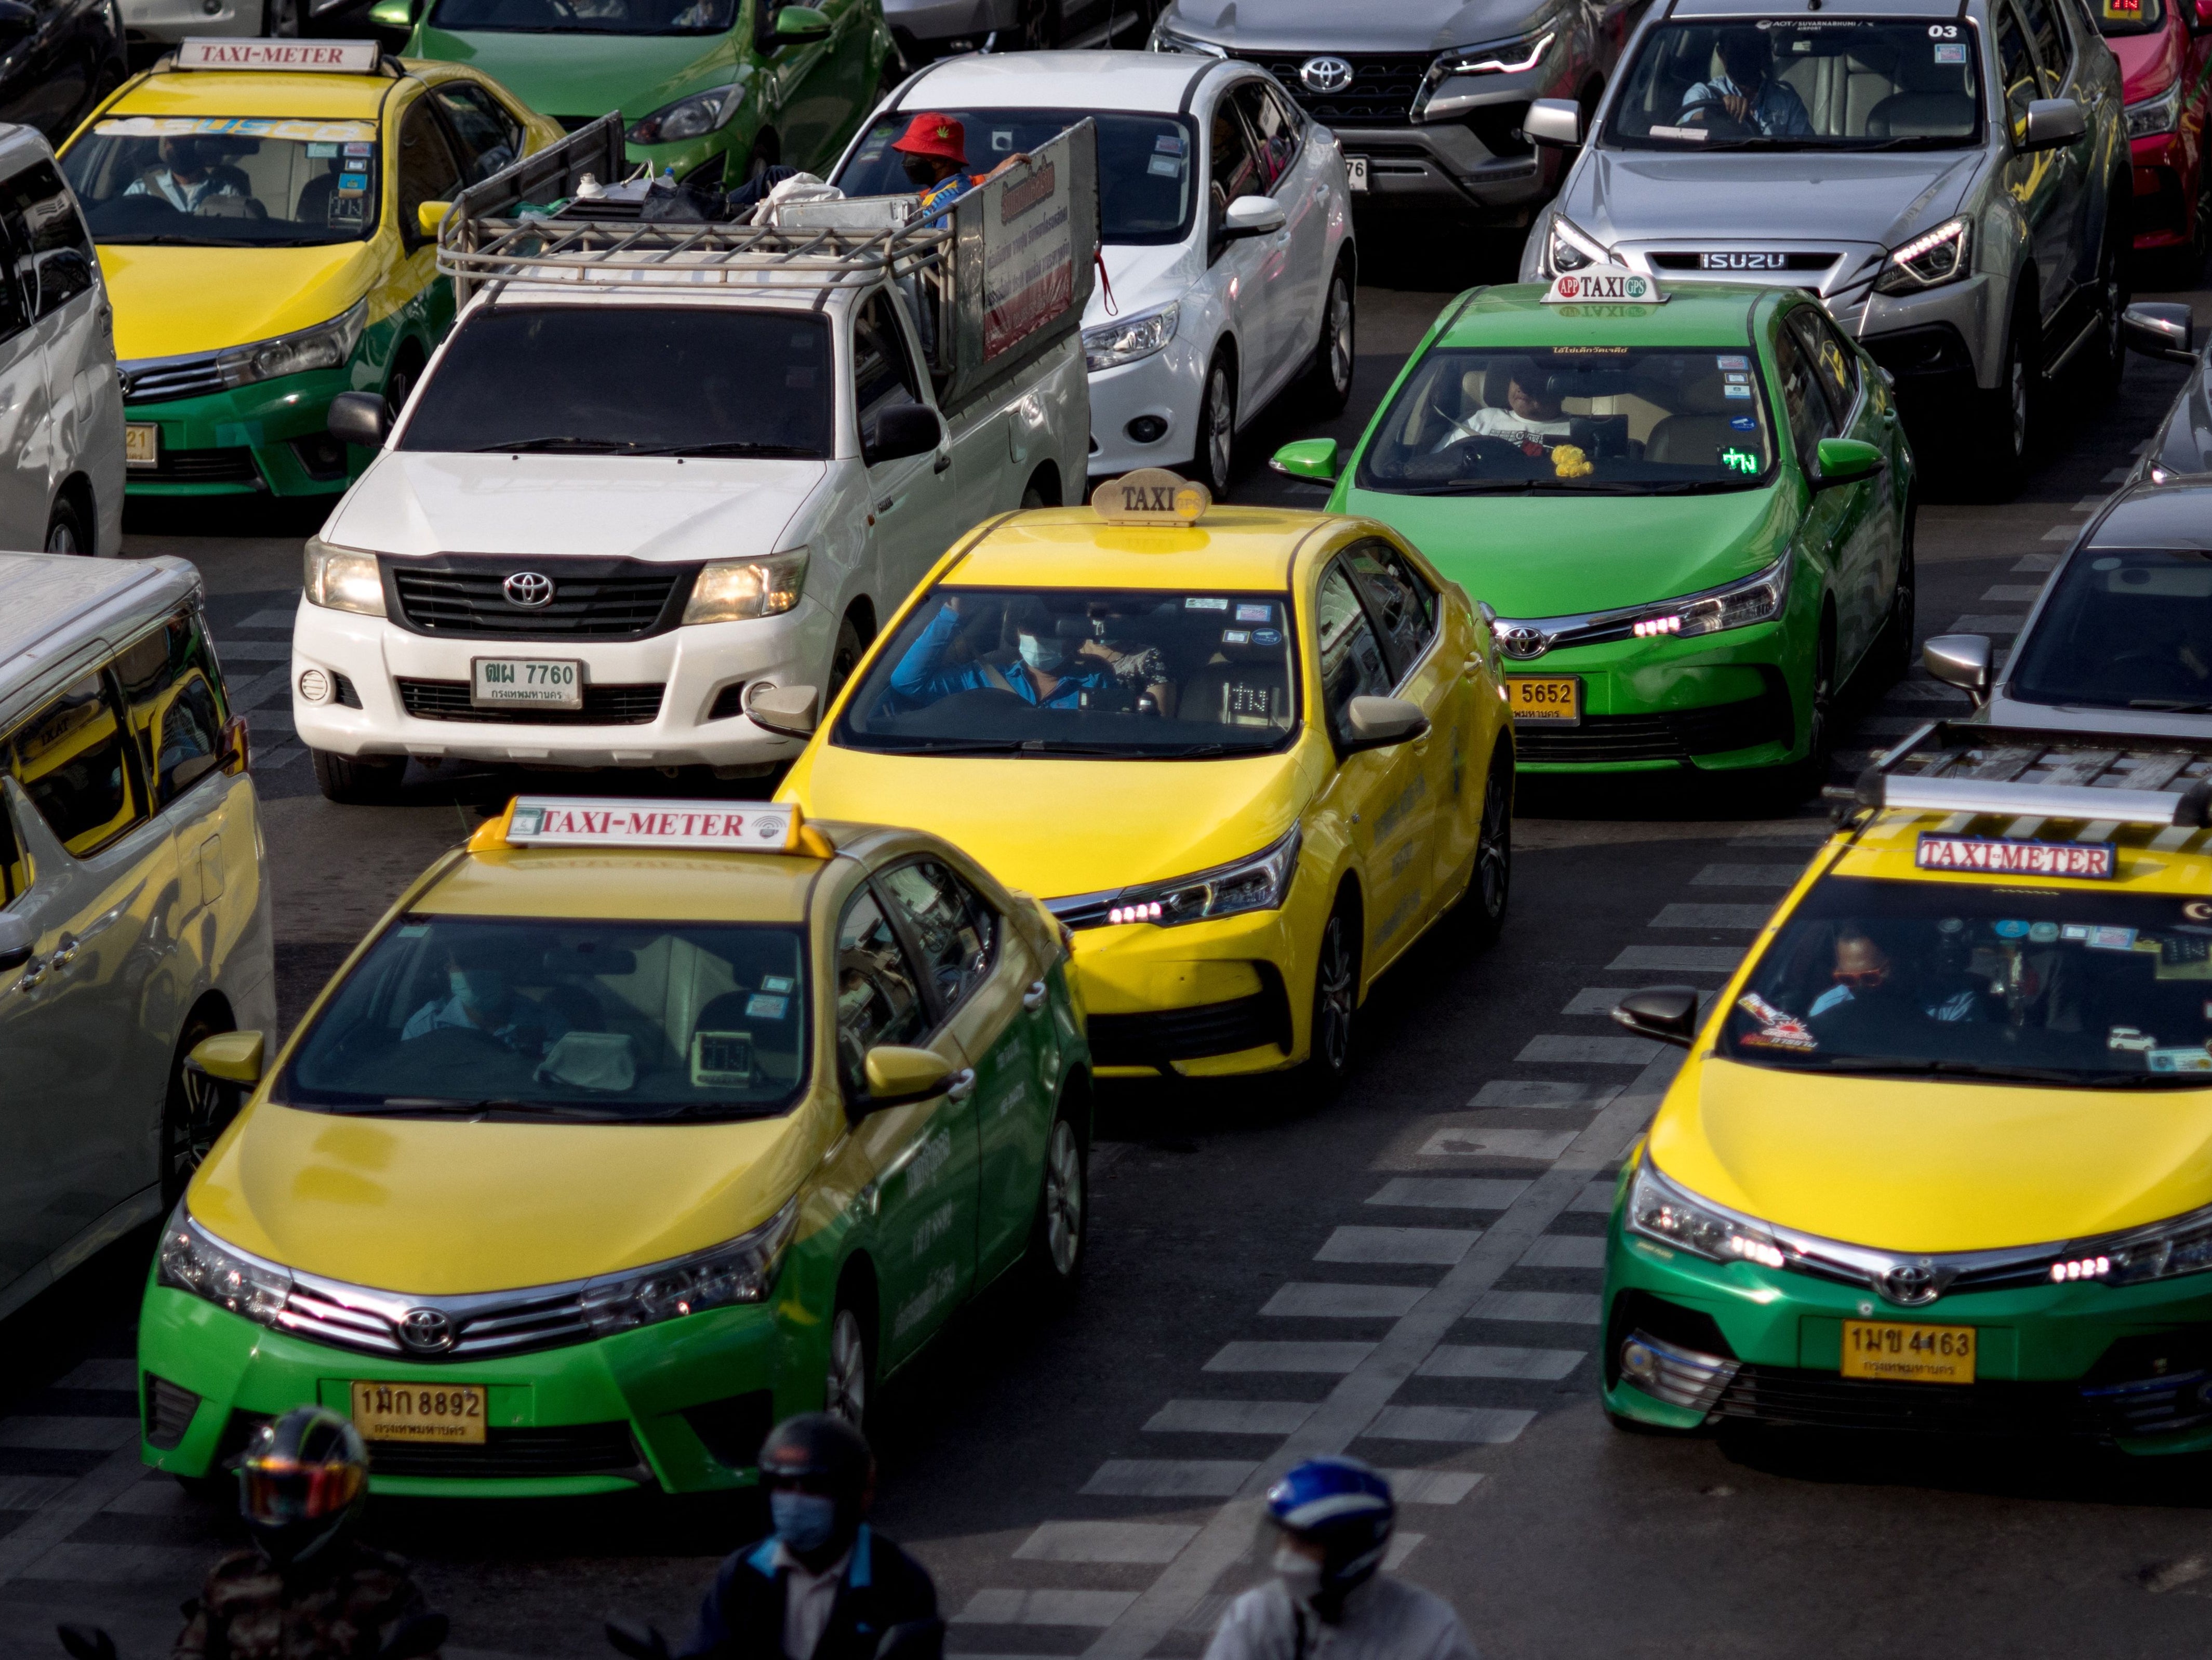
18 940
1668 1013
358 418
2160 328
428 216
1960 661
789 711
232 1057
1308 458
2052 122
87 1642
796 25
1252 216
395 14
1845 461
639 1642
1553 122
417 1635
902 430
898 1075
1377 723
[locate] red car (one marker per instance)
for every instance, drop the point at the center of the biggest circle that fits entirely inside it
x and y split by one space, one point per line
2162 48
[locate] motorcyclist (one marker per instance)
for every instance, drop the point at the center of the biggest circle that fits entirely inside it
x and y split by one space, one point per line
1333 1518
823 1585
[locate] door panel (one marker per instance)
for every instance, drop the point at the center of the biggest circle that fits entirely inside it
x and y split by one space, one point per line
1238 271
1866 548
1293 176
913 500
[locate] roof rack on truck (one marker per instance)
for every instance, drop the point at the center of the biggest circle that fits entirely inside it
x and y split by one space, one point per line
1962 767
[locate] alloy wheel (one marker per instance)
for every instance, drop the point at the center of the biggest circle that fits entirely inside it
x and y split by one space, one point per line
1339 335
845 1392
1220 426
1063 1198
1334 997
1493 848
61 538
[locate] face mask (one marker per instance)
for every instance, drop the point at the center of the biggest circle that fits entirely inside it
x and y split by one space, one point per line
477 987
1300 1574
803 1521
919 172
1043 655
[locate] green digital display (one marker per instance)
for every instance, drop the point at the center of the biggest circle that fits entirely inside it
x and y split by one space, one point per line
1742 460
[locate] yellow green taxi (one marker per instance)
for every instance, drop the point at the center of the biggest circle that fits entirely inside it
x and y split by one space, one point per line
633 1127
261 230
1937 1158
1247 757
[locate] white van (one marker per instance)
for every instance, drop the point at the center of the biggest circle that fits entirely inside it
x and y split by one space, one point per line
134 910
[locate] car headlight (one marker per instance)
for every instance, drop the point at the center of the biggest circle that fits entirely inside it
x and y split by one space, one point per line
1126 339
1569 247
1499 57
1928 261
2154 115
1166 39
1660 1210
2180 1245
191 1259
325 346
1738 604
741 1271
1258 882
342 579
732 590
687 118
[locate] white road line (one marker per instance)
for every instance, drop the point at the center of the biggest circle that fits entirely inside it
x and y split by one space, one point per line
2117 476
63 1515
2061 533
1589 1051
1793 832
1481 1425
254 651
1595 1199
1924 691
1498 1361
1596 1000
1748 876
69 1434
1565 1250
1712 916
1152 1478
104 1373
2013 594
1447 1193
1045 1607
1680 959
1333 1360
2035 563
30 1492
274 719
1528 1092
121 1564
1987 623
1435 1246
1538 1147
2091 503
1229 1417
266 619
1105 1542
1537 1308
1402 1545
1431 1486
1324 1300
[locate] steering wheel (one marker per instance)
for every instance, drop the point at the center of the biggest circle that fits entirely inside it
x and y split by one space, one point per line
1714 118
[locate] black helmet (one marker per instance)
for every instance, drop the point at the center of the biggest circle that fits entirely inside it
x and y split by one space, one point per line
819 1452
302 1481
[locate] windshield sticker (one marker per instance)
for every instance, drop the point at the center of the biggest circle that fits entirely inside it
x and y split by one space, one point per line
1732 363
761 1006
321 152
1255 613
783 982
1736 380
1695 135
1205 604
1777 1030
1737 392
417 930
2128 1038
1742 460
343 209
2009 928
1951 53
360 149
1169 144
352 184
2110 939
2196 1060
1165 167
1744 422
1989 856
1273 637
177 126
2043 932
1235 636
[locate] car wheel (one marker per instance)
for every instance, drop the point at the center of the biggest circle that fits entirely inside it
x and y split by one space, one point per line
359 781
1812 772
1335 1006
1328 378
850 1376
280 19
844 658
1216 449
1057 1237
2111 362
196 1112
2001 419
1896 631
65 531
1490 887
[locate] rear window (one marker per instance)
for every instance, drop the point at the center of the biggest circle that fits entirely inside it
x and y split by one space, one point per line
2122 628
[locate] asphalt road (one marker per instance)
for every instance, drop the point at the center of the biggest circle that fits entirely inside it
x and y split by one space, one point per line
1411 1274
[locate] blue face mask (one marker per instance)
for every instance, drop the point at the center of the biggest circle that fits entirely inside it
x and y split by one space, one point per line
479 988
803 1521
1043 655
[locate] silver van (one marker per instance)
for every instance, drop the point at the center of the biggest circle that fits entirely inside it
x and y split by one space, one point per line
134 909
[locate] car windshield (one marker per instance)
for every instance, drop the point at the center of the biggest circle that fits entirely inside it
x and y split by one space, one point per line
2070 984
2122 628
219 182
1585 420
1081 672
2128 16
1801 84
629 380
1144 193
604 1021
585 16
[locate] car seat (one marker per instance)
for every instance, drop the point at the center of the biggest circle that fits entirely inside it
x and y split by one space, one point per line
1695 440
1932 105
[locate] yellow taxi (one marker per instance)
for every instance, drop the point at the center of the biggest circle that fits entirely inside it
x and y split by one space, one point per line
635 1126
259 210
1247 757
1937 1160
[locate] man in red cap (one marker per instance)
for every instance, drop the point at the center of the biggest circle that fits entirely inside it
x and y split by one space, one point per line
934 151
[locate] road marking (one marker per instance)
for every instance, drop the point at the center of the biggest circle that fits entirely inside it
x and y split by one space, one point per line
1596 1000
1925 691
1229 1417
1105 1542
266 619
1538 1146
1155 1478
2061 533
1808 832
255 651
1045 1607
1679 960
1447 1193
1402 1545
121 1564
1497 1360
30 1492
1987 623
1538 1308
1565 1250
2033 564
1526 1092
102 1373
67 1434
1748 876
1596 1198
1431 1486
1433 1246
1324 1300
1332 1359
2117 475
2013 594
63 1514
1588 1051
1482 1425
1712 916
2091 503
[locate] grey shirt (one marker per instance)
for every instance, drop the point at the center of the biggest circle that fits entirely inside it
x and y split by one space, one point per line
1385 1619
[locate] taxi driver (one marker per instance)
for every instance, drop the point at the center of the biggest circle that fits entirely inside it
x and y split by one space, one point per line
1047 673
482 999
1533 418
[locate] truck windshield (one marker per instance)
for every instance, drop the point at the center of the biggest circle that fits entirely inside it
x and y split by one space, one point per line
629 380
606 1021
585 16
225 182
1080 672
2124 629
1580 420
2036 984
1816 83
2128 16
1144 193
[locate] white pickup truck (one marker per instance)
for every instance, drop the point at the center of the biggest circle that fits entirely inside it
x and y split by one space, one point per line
662 467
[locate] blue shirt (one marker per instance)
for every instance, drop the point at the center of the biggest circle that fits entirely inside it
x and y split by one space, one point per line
921 678
522 1015
1777 112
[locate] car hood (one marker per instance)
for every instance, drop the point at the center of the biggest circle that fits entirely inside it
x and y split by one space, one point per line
441 1207
602 506
1141 821
2148 63
1141 277
1317 26
1636 196
1908 1167
576 75
173 302
1541 556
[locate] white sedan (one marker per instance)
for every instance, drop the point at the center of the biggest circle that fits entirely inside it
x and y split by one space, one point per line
1225 233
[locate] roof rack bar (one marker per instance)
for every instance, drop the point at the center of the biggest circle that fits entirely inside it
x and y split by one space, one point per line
2191 808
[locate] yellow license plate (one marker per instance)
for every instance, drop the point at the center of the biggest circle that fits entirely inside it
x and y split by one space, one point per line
141 444
1904 1354
449 1413
1555 699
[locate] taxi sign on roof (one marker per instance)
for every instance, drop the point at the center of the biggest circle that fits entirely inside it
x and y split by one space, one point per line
325 56
1989 855
1151 496
545 820
1607 285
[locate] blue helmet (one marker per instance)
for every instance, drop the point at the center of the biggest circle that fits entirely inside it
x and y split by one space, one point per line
1346 1507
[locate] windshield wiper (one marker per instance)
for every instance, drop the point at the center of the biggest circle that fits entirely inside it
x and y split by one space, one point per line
562 441
1565 486
732 446
447 1106
1996 1072
2169 705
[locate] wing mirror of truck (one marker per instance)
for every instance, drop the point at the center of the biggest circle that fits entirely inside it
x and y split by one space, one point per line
791 711
2161 328
902 430
1960 661
1252 216
1668 1013
1556 122
2050 122
359 418
1378 723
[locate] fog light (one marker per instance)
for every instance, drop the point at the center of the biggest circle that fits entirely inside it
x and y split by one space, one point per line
315 685
1680 1377
1638 1361
1147 429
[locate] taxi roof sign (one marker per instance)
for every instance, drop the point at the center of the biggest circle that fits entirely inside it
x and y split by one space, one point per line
1605 285
320 57
560 821
1151 496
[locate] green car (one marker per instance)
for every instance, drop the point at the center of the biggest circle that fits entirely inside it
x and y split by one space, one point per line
713 89
1691 510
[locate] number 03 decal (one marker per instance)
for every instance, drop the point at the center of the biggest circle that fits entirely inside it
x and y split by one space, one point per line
1942 31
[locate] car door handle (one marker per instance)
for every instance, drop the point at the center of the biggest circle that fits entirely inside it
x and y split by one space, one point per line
961 1085
1033 999
63 956
33 972
943 460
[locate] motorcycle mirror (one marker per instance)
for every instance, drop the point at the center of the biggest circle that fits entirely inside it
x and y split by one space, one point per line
639 1642
87 1642
417 1635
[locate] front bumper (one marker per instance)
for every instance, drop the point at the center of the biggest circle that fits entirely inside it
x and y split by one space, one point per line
1718 702
1203 999
269 437
1166 387
683 1405
2131 1368
1450 164
2166 187
675 692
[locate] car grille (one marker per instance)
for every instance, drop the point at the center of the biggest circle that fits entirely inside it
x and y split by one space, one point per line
1153 1040
604 706
1382 92
1674 736
224 467
464 597
1817 1400
1796 262
483 1326
562 1450
157 379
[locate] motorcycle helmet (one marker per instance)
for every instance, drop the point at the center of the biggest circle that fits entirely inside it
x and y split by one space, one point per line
303 1480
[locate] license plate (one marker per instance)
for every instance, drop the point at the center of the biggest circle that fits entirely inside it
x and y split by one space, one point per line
530 682
141 444
1355 172
449 1413
1901 1353
1546 699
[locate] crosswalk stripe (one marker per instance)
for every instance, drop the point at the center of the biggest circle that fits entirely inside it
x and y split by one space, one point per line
1595 1199
2030 562
1565 1250
1986 622
1712 916
1679 960
1166 1478
1810 832
1542 1308
2013 594
1596 1000
1499 1360
1105 1542
1333 1360
264 619
256 651
1530 1093
1431 1486
1439 1246
1448 1193
1926 691
1588 1051
101 1372
1748 876
2061 533
68 1510
1044 1608
1485 1425
1402 1545
114 1564
62 1434
1537 1146
1319 1300
1230 1418
30 1492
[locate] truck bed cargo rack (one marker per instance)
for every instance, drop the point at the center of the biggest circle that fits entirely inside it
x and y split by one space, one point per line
1959 767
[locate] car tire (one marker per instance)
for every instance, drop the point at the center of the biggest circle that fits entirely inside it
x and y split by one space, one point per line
195 1113
1810 775
1896 631
1214 448
65 532
1328 377
359 781
2108 364
849 1377
1333 1031
1060 1231
2002 419
1490 887
844 658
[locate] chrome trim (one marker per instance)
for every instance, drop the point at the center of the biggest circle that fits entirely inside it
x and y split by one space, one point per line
1680 1378
157 379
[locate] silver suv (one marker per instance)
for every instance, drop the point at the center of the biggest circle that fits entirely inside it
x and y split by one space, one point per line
1951 180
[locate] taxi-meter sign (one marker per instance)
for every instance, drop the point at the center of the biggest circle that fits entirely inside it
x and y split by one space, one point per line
732 827
322 56
1151 496
1604 285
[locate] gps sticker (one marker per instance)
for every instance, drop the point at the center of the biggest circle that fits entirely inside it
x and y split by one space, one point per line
1744 422
1205 604
1235 636
1732 362
1254 613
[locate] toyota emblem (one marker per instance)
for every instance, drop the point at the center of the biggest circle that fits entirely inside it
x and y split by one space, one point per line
1522 640
528 589
1910 1285
1325 75
427 1331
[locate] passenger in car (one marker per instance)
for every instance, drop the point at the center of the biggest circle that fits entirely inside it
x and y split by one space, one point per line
484 1000
1745 92
185 178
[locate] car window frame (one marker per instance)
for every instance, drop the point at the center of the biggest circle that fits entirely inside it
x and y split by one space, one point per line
2004 12
927 992
1217 216
1264 90
1405 671
908 376
135 783
411 235
1807 323
517 134
1805 444
26 257
911 942
193 615
1328 710
2057 75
